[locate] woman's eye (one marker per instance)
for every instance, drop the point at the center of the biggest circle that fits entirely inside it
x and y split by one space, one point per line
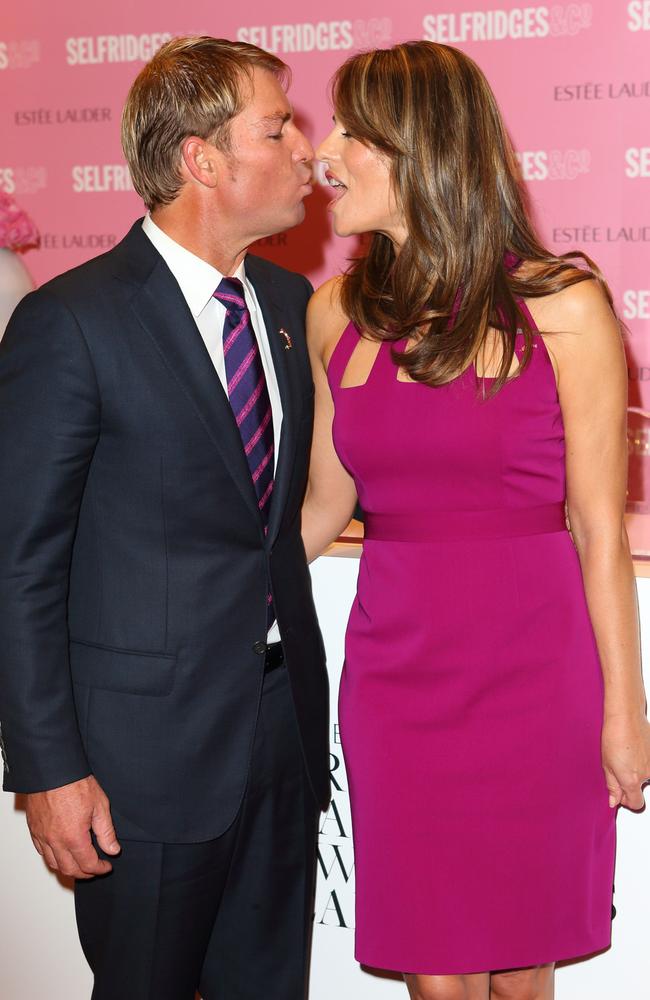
346 135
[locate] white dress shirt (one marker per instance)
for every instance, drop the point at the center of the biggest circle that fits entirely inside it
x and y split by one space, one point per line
198 281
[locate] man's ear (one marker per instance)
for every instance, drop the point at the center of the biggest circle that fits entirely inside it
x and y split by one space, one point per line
201 161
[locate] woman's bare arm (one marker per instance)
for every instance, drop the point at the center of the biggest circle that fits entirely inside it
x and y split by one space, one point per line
587 351
331 494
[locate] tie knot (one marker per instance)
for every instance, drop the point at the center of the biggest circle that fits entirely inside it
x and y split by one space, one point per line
231 294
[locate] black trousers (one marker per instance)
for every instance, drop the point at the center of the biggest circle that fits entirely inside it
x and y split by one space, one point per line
232 917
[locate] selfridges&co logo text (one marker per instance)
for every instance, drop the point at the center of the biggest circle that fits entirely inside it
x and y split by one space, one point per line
638 15
637 162
518 23
93 49
19 54
93 177
321 36
636 303
554 164
23 180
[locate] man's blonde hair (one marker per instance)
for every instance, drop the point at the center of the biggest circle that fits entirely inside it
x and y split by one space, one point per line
192 86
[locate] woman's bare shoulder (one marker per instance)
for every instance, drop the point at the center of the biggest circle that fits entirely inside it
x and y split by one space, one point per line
326 300
569 310
326 319
574 309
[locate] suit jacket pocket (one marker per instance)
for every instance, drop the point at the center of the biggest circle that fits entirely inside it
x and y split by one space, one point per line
121 669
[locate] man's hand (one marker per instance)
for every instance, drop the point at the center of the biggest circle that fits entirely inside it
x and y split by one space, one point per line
60 821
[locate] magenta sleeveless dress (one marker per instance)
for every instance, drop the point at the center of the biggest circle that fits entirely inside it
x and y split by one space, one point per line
472 696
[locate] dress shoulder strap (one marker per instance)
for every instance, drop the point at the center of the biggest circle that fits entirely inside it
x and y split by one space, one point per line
528 315
341 354
511 262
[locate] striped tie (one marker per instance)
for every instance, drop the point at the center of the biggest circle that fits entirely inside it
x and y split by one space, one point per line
248 395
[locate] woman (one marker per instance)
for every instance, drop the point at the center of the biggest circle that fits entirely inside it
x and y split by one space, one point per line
17 234
491 657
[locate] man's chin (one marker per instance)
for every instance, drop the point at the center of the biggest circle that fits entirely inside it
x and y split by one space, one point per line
300 213
274 227
292 220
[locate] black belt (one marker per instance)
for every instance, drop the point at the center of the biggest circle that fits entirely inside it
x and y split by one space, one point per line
274 657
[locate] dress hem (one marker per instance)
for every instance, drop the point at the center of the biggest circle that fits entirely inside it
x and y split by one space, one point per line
472 968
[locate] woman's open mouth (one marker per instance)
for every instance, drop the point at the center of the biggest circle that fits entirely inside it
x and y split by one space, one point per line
337 185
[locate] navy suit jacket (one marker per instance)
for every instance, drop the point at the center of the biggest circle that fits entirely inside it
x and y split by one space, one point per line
134 567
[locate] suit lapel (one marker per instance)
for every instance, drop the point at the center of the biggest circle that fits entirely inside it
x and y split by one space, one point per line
288 384
163 313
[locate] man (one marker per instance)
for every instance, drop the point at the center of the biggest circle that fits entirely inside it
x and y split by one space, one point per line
154 432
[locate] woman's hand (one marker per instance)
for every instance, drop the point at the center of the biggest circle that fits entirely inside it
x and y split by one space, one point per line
626 759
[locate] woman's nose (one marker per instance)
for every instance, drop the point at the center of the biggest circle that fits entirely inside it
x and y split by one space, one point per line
325 150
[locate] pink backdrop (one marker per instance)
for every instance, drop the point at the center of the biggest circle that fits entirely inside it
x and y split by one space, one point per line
572 78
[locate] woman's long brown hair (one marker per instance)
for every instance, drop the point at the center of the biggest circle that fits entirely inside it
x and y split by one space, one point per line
430 110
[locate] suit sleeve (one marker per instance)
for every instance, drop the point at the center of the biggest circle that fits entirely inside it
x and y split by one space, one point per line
49 425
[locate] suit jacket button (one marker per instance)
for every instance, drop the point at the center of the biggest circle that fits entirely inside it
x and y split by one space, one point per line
259 647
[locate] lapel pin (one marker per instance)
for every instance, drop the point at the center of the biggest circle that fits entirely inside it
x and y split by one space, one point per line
288 343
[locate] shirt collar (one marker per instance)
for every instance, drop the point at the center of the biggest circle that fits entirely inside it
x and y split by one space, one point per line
198 280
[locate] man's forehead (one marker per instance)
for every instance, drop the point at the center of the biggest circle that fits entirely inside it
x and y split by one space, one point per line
267 98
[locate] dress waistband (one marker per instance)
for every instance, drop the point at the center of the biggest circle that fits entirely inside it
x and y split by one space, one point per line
448 525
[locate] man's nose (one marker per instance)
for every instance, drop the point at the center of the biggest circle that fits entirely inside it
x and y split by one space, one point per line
304 149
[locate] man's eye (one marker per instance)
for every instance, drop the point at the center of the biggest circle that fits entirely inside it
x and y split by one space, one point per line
276 135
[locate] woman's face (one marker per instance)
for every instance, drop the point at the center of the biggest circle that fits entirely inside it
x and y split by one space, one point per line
364 200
